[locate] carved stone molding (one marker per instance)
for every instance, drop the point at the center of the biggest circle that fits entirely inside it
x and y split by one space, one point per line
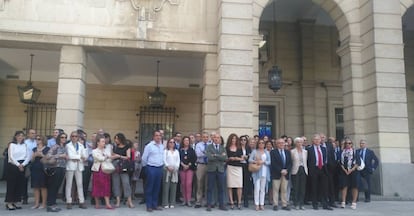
156 6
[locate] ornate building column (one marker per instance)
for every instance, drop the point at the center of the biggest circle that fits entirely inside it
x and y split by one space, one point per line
71 88
236 103
209 103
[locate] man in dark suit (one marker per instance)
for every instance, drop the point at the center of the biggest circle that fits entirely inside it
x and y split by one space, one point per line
331 169
318 172
280 167
216 156
371 163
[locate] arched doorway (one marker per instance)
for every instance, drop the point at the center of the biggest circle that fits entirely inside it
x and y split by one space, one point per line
302 39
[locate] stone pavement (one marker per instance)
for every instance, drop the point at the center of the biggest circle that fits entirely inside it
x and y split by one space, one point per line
379 206
363 209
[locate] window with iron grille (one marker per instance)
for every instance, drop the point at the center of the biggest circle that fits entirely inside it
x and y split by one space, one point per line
41 117
155 118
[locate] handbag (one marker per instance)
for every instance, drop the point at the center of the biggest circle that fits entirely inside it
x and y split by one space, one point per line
49 161
254 167
107 167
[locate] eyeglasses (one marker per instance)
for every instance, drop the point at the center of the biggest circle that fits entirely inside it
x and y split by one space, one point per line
38 139
74 136
348 143
243 139
63 137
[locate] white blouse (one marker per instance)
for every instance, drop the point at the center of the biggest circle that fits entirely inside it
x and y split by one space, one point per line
19 152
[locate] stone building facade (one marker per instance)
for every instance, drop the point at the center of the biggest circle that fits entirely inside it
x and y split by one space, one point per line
95 59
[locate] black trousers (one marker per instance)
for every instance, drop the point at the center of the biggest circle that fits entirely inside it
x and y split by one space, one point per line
53 185
86 178
247 185
331 184
319 183
299 186
15 183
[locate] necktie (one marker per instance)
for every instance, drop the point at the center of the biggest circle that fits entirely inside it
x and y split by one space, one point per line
283 157
217 147
77 146
320 164
205 148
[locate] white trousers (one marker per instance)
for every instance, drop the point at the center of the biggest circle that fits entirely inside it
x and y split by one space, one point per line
259 191
79 185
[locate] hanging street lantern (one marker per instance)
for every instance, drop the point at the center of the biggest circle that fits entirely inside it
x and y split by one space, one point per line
275 78
157 97
29 94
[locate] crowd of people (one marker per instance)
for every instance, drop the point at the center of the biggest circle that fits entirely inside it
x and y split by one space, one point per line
198 170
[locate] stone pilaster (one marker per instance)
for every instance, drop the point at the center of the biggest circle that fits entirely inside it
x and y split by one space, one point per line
385 98
71 88
307 76
235 68
209 103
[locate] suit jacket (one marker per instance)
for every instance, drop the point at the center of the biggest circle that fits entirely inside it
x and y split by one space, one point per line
330 152
76 157
371 161
312 159
276 163
216 158
295 160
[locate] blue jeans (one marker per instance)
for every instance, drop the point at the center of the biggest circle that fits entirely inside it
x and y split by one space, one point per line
215 179
153 185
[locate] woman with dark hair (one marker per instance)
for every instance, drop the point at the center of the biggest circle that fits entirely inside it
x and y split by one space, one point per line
349 174
121 154
170 177
19 157
101 182
55 170
247 181
234 169
187 166
38 176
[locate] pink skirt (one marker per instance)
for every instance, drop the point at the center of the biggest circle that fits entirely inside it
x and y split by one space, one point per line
101 184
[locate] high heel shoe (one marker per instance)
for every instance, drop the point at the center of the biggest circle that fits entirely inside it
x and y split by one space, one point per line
130 205
10 208
231 206
16 207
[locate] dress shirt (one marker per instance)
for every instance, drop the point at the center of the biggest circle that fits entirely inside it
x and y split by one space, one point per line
201 152
51 142
18 152
318 149
31 144
363 152
153 154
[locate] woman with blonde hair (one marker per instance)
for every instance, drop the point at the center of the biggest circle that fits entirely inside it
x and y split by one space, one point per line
262 177
349 162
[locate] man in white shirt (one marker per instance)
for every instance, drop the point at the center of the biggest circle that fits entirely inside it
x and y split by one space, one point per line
74 167
31 144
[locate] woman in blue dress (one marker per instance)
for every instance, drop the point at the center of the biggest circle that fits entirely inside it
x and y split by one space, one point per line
38 176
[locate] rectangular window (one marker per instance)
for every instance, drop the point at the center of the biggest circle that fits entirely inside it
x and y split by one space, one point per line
339 123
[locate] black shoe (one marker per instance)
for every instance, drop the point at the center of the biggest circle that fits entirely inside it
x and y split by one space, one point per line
315 207
223 208
10 208
142 201
286 208
367 200
275 208
327 208
197 206
333 205
53 209
208 208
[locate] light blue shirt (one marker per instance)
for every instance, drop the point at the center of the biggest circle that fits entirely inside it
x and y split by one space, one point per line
153 154
200 150
51 142
31 144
